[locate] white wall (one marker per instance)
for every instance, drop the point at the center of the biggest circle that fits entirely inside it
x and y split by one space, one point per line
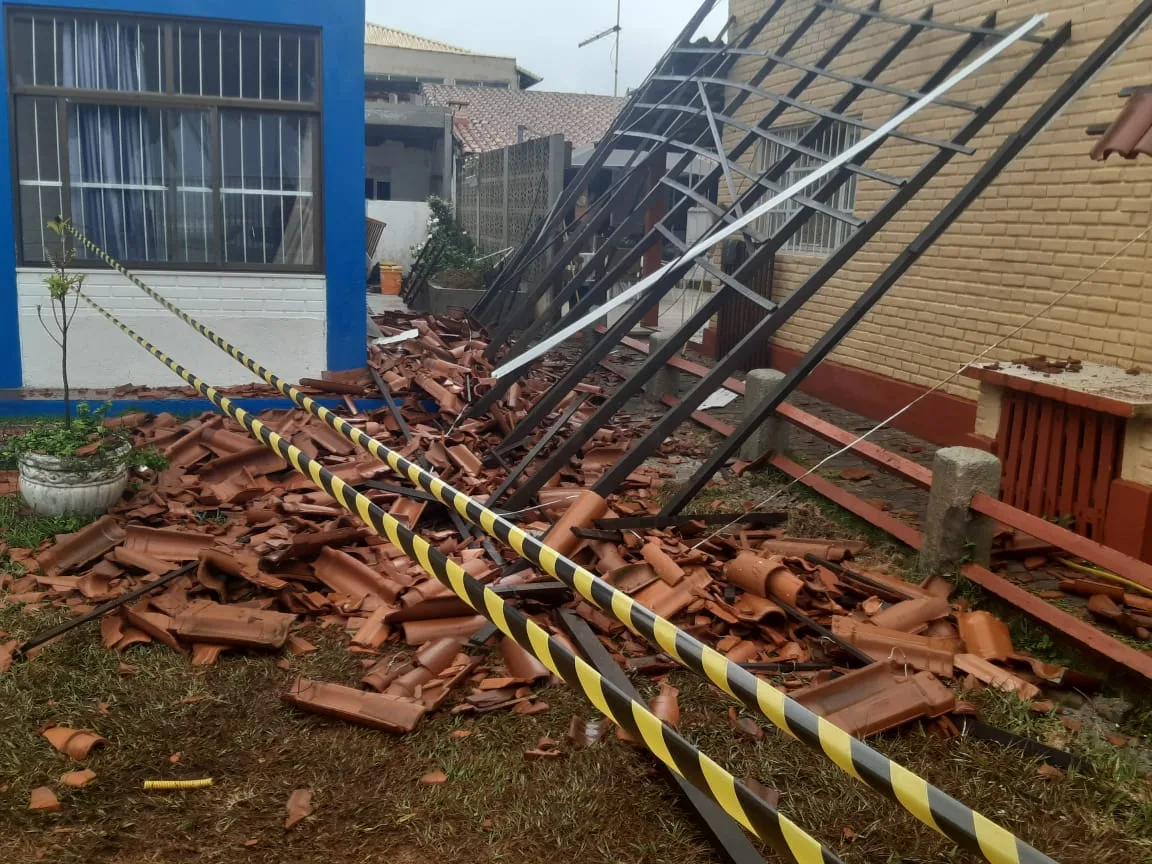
449 67
278 320
409 169
407 223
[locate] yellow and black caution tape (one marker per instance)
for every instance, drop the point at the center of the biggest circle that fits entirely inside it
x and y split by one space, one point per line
930 805
739 802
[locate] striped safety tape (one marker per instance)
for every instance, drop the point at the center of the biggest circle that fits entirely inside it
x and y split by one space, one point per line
936 809
731 795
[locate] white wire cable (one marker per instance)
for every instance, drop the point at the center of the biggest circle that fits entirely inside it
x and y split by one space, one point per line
943 383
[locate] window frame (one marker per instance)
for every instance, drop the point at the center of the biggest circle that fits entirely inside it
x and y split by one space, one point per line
169 100
844 198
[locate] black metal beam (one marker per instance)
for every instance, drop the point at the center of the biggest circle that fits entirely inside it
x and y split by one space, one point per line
632 316
698 319
759 333
726 836
912 253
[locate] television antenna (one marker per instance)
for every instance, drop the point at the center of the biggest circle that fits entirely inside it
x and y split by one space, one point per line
603 34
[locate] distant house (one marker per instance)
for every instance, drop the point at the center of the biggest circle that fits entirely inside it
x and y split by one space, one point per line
487 119
410 150
216 149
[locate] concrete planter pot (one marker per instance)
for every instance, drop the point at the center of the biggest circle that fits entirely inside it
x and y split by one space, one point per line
74 486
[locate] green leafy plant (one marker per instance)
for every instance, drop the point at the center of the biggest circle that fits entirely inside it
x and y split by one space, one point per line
457 251
84 437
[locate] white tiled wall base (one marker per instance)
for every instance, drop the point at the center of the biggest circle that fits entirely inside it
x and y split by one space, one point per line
278 320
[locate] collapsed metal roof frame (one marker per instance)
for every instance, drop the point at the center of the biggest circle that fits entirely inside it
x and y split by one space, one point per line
675 113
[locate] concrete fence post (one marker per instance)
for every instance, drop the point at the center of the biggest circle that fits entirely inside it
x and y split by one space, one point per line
772 435
954 534
667 380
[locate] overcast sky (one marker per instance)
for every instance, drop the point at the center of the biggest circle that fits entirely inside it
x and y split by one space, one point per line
542 34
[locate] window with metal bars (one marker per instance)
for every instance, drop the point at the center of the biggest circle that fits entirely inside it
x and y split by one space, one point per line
820 234
168 142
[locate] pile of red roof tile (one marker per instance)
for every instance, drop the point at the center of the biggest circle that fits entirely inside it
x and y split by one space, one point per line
273 555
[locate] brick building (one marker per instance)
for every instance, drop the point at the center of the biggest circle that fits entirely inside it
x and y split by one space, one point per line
1047 222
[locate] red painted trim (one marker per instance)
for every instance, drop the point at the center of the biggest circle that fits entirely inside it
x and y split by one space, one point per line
1129 523
941 418
1080 631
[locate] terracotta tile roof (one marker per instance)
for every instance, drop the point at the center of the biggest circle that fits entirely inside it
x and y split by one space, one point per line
376 34
1131 133
489 117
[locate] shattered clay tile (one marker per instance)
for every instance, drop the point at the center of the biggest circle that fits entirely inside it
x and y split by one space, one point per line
137 560
1136 601
519 663
919 652
767 794
985 635
95 584
410 682
554 500
662 563
206 654
167 544
186 450
466 459
419 632
609 556
224 443
74 743
793 547
437 655
763 577
381 674
445 398
78 779
499 683
7 652
233 625
745 725
530 709
373 632
632 577
345 574
299 808
43 798
132 636
1088 588
744 652
297 646
111 630
376 710
877 698
588 507
545 748
156 625
666 705
994 676
434 778
75 550
585 733
749 607
257 460
912 615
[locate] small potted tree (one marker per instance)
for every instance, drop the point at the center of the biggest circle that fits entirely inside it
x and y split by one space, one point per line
75 465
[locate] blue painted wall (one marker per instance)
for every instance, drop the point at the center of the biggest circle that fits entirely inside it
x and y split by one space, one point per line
342 24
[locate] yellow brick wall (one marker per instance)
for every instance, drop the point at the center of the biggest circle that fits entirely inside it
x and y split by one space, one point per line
1048 221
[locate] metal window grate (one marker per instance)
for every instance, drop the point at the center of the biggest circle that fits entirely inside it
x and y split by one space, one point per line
135 127
821 234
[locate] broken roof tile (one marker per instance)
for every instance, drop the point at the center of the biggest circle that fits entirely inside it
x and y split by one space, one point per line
74 743
920 652
377 710
233 625
166 544
985 635
419 632
912 616
74 550
994 676
877 698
